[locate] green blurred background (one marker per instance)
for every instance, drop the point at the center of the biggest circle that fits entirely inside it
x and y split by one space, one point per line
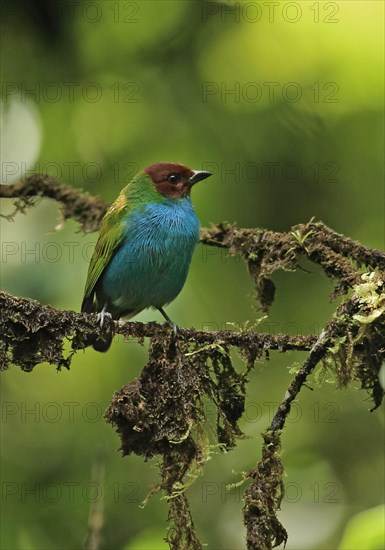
283 102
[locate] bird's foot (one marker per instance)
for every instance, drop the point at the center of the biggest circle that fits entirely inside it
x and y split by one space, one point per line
174 327
174 331
103 342
171 323
102 316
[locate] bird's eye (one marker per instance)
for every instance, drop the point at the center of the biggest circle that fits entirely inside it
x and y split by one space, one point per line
173 178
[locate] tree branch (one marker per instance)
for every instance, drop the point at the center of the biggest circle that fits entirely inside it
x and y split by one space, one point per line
84 208
33 333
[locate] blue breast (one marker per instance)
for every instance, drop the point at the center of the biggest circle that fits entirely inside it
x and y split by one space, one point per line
151 266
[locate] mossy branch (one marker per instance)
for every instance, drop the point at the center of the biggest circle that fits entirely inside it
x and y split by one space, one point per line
163 412
82 207
33 333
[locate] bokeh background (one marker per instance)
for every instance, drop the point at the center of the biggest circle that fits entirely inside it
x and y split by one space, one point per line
282 101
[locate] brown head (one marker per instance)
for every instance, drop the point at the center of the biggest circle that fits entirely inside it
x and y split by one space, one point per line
173 180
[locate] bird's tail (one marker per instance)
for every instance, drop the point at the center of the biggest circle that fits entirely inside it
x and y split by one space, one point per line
102 344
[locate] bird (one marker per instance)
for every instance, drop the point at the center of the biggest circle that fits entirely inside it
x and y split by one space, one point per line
145 246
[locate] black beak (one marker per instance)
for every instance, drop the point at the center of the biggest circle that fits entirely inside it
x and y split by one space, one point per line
199 175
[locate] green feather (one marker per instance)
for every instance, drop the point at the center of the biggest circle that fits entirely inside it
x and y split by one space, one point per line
139 192
109 241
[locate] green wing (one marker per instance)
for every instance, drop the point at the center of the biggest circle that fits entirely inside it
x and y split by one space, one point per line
110 238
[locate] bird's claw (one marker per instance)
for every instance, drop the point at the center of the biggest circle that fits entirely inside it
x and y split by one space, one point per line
102 316
171 323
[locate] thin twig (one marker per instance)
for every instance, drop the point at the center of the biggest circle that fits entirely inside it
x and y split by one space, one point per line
317 352
96 515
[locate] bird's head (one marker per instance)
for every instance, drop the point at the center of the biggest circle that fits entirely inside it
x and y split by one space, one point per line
173 180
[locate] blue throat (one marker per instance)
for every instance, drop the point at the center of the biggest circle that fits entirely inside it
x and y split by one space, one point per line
150 267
